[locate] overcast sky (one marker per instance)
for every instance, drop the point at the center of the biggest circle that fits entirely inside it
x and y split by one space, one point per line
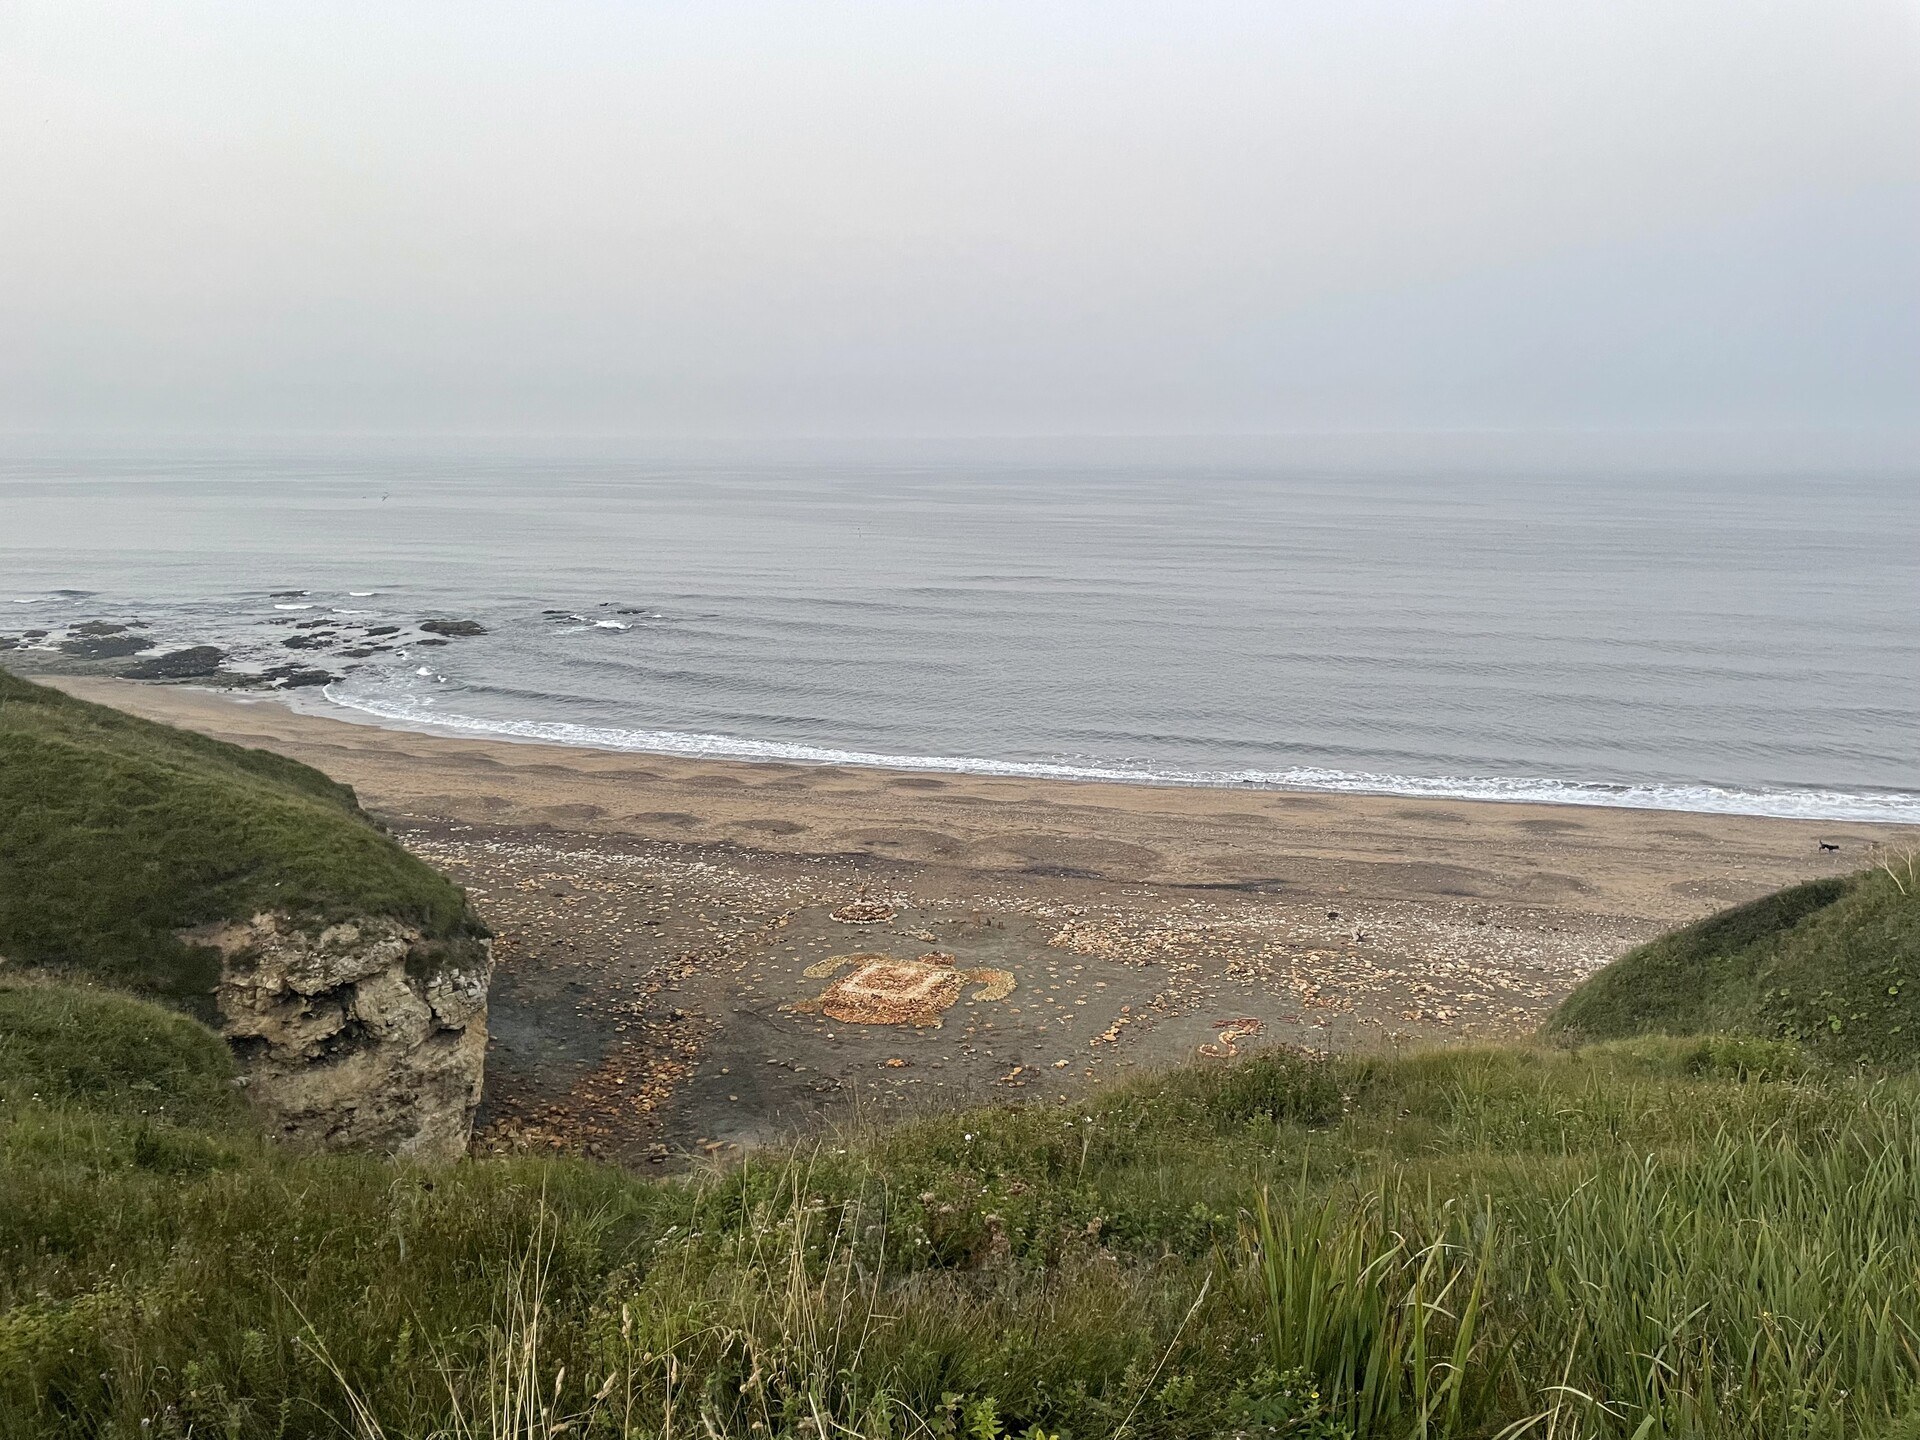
959 219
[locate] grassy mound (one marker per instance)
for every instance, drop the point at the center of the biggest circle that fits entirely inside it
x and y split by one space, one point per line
1834 964
1684 1238
115 832
106 1052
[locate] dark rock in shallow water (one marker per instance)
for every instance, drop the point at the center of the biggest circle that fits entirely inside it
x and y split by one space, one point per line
7 642
305 642
429 642
104 647
99 628
286 594
33 634
384 630
453 627
289 677
277 677
189 664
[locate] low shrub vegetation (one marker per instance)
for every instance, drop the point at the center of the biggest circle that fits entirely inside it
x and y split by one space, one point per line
1706 1236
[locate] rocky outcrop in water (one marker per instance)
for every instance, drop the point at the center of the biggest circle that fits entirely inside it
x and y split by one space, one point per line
104 647
191 663
361 1035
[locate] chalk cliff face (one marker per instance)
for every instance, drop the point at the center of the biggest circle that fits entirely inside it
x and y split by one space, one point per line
364 1035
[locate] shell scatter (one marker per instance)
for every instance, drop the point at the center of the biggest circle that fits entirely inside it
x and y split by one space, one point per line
864 912
886 990
653 999
1243 1027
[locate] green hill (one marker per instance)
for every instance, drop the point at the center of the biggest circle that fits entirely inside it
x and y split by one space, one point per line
116 832
1834 964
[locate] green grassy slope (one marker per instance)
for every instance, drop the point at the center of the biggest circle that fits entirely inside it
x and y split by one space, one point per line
1834 964
115 832
1706 1238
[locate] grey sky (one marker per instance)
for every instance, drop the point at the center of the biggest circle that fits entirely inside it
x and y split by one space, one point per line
968 218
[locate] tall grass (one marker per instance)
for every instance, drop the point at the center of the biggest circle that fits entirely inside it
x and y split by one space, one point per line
1388 1323
1750 1282
1704 1239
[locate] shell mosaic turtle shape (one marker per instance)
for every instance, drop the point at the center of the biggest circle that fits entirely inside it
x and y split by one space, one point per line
886 990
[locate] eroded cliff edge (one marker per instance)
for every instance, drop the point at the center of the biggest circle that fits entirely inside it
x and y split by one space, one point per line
358 1035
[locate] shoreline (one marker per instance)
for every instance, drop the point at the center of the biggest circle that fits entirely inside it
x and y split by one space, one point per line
1822 803
543 785
1817 804
1783 802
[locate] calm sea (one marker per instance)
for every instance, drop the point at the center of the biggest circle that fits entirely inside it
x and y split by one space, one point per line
1694 643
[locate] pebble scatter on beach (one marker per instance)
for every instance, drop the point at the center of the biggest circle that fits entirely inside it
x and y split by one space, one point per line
654 1001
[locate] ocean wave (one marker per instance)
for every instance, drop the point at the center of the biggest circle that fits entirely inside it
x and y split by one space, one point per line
1879 807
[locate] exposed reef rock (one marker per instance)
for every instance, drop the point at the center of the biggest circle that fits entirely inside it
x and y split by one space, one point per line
92 646
365 1035
453 627
189 664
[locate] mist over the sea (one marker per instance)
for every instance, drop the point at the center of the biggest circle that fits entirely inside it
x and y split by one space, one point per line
743 218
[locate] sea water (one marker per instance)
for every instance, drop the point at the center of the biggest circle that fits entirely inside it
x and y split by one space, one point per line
1724 642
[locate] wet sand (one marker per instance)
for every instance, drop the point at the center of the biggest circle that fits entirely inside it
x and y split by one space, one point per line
672 977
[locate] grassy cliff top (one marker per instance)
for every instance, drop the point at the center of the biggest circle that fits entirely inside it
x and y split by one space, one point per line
115 832
1834 964
1633 1238
95 1050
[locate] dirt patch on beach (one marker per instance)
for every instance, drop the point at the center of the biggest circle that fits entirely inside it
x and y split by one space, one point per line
656 1000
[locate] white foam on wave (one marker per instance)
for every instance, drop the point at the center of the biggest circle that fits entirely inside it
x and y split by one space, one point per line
1879 807
293 607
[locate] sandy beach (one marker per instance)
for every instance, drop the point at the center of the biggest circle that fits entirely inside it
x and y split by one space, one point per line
694 955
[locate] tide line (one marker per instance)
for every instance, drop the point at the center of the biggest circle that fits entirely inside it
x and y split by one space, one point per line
1886 807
